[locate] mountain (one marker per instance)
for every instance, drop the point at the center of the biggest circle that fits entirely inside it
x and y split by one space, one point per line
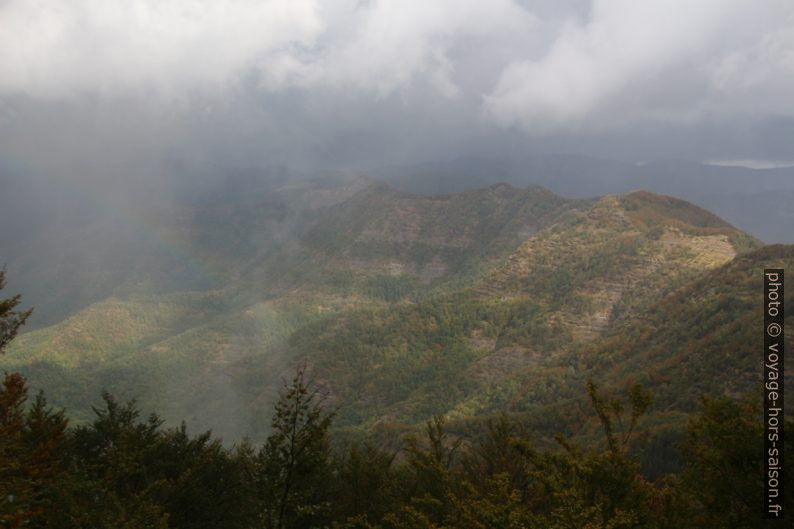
504 341
717 340
403 306
263 269
759 201
67 246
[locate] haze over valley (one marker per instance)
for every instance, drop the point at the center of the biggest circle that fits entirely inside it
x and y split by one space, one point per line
408 264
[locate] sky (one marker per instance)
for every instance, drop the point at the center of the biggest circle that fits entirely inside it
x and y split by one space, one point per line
106 90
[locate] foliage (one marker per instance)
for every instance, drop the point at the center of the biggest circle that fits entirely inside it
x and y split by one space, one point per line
124 471
397 354
10 319
410 306
724 460
293 466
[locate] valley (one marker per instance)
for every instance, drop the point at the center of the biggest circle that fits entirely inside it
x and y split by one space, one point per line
406 306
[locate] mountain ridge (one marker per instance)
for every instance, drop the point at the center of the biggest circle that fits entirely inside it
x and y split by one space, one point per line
402 305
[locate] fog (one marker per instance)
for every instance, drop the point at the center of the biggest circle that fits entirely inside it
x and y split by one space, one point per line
145 144
109 104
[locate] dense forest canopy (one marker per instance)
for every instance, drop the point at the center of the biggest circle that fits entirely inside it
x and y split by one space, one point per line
125 470
393 264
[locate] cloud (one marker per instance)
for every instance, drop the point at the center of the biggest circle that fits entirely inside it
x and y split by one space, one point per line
87 86
62 48
657 60
384 46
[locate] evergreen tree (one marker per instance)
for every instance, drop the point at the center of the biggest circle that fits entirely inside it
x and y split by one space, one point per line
723 463
294 467
10 319
27 442
199 483
590 488
115 459
17 505
30 445
364 483
430 474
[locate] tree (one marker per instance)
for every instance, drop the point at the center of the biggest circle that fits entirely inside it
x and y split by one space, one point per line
29 448
199 483
364 486
25 450
611 411
294 464
10 320
724 461
114 464
126 471
430 473
496 484
494 455
593 488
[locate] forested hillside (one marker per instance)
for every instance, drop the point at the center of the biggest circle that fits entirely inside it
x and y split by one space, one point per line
265 268
407 306
389 264
494 358
123 470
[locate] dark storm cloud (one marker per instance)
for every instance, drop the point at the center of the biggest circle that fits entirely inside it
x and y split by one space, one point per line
90 88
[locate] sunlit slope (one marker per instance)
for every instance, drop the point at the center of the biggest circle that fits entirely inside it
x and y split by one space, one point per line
404 306
189 356
704 338
199 354
428 237
466 352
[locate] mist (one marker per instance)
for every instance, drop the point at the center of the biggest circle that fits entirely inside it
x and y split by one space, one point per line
106 93
469 212
111 108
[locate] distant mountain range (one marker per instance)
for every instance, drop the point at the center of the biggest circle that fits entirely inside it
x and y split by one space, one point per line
759 201
403 305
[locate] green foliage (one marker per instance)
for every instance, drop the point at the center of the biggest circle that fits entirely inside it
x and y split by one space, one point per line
724 460
591 488
10 319
122 471
118 471
365 484
293 466
389 288
610 293
653 210
694 340
430 466
494 457
29 444
611 411
408 307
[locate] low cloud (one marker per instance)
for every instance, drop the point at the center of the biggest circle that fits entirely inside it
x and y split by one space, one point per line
66 48
63 48
100 87
656 60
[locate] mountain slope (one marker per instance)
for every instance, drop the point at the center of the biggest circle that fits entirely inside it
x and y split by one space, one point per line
302 253
704 338
751 199
459 352
405 306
